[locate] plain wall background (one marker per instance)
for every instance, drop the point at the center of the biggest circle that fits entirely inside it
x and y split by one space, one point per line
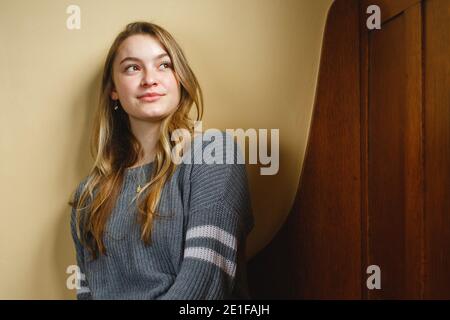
256 60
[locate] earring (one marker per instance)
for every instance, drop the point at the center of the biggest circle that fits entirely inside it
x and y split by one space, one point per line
116 106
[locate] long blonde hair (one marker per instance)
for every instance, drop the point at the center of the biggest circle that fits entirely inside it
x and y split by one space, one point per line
114 147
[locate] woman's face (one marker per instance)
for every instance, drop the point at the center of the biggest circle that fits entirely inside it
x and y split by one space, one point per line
141 67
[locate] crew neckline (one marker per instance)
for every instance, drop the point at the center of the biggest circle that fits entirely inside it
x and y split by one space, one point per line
148 164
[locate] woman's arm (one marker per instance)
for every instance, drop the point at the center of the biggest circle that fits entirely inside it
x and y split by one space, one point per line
220 218
83 292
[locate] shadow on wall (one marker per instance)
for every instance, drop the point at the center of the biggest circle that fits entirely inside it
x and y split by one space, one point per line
263 196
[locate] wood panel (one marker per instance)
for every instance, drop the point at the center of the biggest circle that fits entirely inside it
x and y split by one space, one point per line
376 176
437 148
395 164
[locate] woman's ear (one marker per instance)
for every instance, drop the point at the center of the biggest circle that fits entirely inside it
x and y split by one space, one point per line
114 95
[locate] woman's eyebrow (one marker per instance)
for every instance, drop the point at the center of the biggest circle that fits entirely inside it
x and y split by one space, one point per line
159 56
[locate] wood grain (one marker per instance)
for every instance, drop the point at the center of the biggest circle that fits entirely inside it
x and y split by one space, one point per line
437 148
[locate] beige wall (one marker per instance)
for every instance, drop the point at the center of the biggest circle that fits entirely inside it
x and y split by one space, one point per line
257 61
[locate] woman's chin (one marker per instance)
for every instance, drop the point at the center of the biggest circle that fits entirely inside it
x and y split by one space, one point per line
153 115
153 110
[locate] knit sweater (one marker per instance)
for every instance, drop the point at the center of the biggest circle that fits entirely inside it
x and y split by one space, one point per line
198 244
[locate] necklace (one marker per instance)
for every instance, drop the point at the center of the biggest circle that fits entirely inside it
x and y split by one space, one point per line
138 179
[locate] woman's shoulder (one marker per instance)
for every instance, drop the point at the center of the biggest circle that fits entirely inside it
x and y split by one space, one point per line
216 164
80 188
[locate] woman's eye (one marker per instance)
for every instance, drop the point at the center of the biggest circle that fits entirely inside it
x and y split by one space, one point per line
131 66
165 65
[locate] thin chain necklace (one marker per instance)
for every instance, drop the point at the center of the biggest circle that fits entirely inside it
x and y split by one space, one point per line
138 179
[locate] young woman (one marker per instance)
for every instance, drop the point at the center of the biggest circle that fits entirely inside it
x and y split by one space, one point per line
145 227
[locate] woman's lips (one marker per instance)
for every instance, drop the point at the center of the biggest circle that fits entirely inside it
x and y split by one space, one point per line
150 98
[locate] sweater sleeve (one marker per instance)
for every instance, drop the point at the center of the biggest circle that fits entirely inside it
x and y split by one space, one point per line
83 291
219 221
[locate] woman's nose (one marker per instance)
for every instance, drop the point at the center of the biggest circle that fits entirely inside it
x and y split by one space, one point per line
149 79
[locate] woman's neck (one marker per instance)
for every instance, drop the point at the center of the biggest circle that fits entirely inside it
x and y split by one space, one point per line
147 134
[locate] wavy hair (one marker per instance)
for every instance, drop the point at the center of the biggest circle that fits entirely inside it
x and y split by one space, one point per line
115 148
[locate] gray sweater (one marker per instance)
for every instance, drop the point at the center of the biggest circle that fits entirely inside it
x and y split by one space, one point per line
198 246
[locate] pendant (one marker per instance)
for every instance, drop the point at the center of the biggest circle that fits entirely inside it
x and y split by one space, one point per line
138 189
